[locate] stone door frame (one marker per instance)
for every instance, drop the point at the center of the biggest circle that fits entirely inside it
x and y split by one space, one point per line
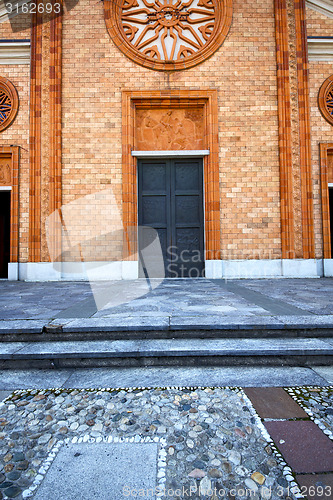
12 153
207 99
325 150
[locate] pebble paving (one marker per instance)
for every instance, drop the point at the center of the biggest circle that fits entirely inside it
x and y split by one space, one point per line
317 402
212 443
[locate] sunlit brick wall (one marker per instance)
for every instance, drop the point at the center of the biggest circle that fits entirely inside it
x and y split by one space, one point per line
17 134
244 72
321 131
318 24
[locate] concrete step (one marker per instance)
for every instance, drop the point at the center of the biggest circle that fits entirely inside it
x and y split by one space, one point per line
121 327
167 352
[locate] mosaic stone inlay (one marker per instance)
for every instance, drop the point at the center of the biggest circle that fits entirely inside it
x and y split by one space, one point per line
168 34
208 439
317 403
8 103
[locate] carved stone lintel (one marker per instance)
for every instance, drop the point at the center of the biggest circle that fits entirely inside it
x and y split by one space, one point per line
5 174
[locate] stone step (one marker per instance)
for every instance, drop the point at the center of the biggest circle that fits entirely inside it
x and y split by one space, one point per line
121 327
167 352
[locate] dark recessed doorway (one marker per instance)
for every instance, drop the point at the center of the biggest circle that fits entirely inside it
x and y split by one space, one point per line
330 191
171 201
4 233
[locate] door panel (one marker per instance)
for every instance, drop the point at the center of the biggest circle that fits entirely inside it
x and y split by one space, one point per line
171 201
154 210
154 177
187 209
187 182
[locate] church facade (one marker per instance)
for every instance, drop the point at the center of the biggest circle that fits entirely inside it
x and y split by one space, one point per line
209 121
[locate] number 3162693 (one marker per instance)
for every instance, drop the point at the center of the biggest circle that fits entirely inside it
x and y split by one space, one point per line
33 8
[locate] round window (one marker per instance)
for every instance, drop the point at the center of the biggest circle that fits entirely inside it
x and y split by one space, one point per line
8 103
168 34
325 99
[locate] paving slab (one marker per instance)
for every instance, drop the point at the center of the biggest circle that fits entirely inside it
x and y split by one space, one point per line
318 321
316 486
159 376
274 402
4 394
166 347
188 376
21 326
313 295
207 321
10 348
88 471
185 304
303 445
32 379
82 309
274 306
115 323
326 372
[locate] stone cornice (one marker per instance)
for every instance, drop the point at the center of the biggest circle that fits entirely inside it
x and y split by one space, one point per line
320 49
16 52
323 6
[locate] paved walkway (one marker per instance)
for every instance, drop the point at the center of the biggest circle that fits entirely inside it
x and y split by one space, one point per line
172 304
190 432
167 442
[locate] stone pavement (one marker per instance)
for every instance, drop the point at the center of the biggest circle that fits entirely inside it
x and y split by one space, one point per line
173 304
174 323
167 442
233 432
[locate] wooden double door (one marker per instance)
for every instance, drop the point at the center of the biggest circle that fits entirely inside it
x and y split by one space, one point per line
170 200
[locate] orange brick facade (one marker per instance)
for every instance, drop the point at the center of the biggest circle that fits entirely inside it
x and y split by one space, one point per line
84 106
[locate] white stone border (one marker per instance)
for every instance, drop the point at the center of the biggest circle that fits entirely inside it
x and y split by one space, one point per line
128 270
87 438
172 154
264 268
75 271
46 464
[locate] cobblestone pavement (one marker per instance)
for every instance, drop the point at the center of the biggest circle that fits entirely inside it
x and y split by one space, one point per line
211 441
317 403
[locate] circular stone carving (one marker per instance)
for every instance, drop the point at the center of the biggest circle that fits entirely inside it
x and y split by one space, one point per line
168 35
325 99
8 103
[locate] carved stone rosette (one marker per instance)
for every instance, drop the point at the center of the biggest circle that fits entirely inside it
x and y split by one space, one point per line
168 35
8 103
325 99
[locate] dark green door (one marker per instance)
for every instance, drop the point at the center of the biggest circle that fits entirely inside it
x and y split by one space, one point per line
171 201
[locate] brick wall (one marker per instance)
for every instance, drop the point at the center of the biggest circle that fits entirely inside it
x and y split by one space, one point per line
17 28
243 71
17 134
321 131
318 24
